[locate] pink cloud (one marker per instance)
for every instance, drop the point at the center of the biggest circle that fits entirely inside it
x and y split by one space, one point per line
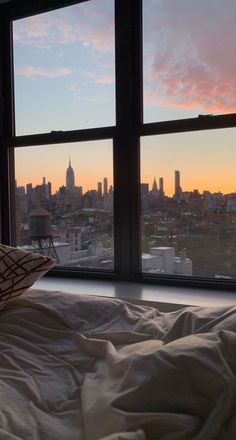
64 30
34 72
106 79
190 61
88 74
37 26
98 78
31 28
185 85
101 39
70 25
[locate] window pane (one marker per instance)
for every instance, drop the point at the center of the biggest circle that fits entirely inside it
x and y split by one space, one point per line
64 68
188 199
189 58
64 202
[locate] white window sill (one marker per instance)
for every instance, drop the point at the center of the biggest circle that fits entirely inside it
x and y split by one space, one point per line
166 298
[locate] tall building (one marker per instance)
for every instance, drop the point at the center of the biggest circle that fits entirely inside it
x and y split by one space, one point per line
48 190
70 177
29 188
99 189
161 187
155 191
178 190
177 181
105 186
144 189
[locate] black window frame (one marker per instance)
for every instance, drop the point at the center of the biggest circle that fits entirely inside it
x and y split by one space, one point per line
126 136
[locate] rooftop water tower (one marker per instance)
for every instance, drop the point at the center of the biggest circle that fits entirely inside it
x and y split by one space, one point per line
40 231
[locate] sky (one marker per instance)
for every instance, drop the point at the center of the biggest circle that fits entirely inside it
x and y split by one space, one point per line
65 79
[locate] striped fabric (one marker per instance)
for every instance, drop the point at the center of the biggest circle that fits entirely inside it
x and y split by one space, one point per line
19 270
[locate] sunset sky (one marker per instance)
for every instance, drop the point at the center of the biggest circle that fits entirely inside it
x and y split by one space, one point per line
65 79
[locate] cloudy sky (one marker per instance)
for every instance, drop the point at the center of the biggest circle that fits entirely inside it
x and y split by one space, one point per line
189 57
64 79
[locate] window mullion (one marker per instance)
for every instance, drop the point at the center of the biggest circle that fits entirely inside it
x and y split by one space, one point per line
126 142
6 130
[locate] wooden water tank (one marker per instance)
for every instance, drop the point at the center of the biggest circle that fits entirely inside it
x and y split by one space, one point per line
39 223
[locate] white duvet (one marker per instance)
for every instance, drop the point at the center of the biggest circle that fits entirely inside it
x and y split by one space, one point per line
87 368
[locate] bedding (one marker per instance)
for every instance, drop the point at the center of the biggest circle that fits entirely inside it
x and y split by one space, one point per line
78 367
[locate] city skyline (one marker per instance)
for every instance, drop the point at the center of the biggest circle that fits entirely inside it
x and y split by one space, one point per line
103 184
208 165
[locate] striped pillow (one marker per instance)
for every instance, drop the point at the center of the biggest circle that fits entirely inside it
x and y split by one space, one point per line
19 270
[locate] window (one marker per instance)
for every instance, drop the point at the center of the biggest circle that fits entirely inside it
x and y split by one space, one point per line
62 210
118 137
188 204
64 68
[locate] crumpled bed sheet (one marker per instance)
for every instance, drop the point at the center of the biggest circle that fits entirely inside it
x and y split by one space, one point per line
77 367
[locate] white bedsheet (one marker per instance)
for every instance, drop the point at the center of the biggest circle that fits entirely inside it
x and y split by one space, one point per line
87 368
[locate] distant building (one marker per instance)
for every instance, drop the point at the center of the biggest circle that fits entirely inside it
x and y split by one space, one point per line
178 195
161 187
62 251
72 236
99 189
177 182
105 186
70 177
231 203
144 189
155 191
162 260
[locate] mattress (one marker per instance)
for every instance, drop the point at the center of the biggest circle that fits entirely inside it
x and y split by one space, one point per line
78 367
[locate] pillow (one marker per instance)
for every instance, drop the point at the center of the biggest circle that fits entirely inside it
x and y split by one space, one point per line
19 270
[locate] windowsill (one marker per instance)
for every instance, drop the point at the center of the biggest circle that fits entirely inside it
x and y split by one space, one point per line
166 298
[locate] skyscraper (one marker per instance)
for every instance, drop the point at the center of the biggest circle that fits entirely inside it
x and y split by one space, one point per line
155 191
178 189
177 181
161 187
70 177
105 186
99 189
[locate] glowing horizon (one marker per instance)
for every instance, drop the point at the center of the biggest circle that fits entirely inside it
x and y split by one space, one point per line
56 160
209 165
168 185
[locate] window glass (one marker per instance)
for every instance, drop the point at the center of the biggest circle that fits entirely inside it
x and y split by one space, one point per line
64 68
189 58
64 202
188 200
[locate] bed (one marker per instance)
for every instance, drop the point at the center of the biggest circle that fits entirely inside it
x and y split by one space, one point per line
78 367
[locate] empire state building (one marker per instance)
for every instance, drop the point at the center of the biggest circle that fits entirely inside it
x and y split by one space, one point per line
70 177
